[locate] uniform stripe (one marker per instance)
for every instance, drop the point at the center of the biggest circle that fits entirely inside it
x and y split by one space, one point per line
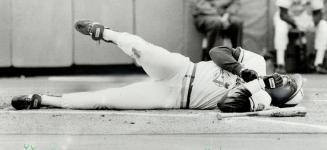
190 88
241 57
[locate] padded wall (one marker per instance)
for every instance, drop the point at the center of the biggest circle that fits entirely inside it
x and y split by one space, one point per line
161 22
42 33
5 30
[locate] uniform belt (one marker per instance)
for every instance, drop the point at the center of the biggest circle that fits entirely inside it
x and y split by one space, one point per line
188 98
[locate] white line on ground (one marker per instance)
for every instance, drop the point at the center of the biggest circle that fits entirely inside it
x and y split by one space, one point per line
135 113
320 127
90 78
319 100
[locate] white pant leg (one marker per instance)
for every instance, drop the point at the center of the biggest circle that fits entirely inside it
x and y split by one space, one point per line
281 38
166 68
253 61
281 33
159 63
142 95
320 42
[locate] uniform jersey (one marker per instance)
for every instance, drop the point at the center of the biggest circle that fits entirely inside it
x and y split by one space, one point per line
210 85
297 7
213 81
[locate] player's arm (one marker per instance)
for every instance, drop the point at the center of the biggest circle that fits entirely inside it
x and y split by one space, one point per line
317 16
227 59
317 12
286 17
250 96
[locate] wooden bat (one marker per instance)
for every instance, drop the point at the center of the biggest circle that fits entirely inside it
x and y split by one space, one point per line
275 112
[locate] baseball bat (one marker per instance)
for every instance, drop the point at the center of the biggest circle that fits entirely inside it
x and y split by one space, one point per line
275 112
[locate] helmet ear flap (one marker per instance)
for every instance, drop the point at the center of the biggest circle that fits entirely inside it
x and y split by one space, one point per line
288 95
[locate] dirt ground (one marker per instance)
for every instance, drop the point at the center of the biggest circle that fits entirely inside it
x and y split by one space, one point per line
296 133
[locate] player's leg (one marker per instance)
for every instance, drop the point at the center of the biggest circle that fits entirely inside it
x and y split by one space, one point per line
280 42
235 31
321 46
158 62
142 95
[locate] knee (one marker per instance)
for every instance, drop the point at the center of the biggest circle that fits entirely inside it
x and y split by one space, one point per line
213 23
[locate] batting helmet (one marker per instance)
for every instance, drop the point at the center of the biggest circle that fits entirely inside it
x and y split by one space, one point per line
288 95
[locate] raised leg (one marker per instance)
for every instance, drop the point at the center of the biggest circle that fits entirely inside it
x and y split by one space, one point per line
158 62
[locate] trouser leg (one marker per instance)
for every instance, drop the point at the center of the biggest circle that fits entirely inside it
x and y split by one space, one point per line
212 27
166 68
158 63
141 95
281 39
235 32
320 42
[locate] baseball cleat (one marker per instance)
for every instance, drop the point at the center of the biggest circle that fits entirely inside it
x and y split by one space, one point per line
26 102
280 69
94 29
320 69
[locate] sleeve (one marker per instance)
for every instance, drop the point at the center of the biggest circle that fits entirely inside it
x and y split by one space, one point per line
287 18
317 4
284 3
226 58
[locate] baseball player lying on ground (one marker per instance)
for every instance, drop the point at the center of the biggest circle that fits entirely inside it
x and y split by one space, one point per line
235 81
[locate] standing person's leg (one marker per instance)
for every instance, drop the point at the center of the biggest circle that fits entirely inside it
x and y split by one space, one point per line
235 31
280 42
320 45
212 28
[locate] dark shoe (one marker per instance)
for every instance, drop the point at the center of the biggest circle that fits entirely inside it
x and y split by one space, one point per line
94 29
321 69
26 102
280 69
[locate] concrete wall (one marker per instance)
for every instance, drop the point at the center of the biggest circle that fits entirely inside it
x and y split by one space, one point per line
39 33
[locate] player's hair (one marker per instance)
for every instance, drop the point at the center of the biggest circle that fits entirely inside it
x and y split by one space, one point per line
236 100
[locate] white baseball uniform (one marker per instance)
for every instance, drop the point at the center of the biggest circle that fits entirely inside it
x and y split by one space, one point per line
171 75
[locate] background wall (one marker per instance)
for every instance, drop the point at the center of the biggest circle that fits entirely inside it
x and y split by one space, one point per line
39 33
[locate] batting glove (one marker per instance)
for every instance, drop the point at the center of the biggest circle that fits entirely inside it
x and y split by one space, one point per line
248 75
273 81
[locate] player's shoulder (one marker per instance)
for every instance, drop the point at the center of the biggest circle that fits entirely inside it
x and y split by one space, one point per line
207 65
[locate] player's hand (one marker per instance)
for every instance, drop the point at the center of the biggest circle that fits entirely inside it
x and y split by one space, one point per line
273 81
248 75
